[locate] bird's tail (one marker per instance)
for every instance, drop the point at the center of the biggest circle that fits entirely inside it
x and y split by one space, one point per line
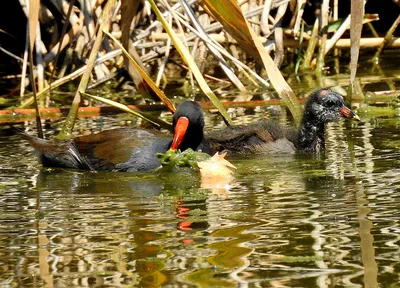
54 153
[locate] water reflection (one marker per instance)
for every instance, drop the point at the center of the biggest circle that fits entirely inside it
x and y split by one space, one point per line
285 221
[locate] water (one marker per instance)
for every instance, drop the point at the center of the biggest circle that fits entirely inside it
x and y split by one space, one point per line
284 221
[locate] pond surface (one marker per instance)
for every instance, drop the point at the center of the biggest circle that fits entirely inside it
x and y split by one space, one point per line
284 221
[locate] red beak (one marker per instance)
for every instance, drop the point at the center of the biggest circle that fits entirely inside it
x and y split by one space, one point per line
180 131
349 114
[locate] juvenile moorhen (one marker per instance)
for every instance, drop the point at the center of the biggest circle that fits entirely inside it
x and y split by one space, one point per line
124 149
323 106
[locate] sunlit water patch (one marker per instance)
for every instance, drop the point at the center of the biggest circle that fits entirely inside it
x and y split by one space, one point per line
285 220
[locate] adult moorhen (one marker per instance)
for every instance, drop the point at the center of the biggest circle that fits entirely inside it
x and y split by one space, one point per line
322 107
124 149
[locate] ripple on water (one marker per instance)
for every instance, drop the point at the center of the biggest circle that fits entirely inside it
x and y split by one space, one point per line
284 221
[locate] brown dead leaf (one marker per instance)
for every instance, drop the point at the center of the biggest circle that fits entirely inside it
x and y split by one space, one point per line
216 173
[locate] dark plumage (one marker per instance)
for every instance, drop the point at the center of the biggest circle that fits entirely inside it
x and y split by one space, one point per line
133 149
323 106
124 149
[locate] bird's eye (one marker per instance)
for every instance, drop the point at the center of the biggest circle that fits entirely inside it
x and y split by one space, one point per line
330 103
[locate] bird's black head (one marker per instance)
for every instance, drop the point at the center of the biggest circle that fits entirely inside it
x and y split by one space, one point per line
188 123
325 106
